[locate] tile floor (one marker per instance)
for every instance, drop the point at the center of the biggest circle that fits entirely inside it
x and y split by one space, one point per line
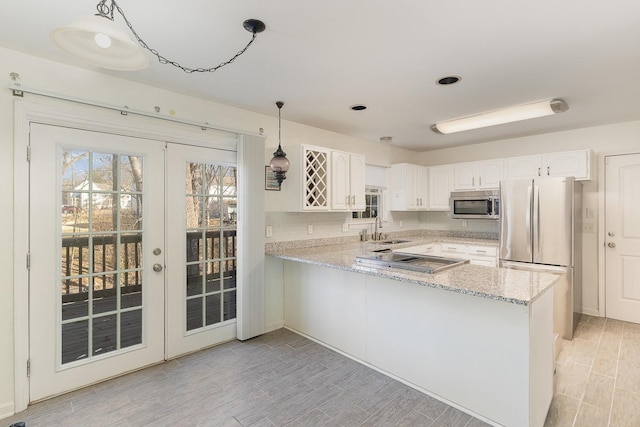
284 379
598 376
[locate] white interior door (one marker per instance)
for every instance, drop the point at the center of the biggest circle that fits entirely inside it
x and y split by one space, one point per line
622 228
96 233
202 202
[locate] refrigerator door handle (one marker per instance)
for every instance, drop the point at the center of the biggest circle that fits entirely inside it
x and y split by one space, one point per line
536 221
528 218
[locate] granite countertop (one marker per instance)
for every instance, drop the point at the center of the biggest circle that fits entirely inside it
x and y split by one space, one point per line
508 285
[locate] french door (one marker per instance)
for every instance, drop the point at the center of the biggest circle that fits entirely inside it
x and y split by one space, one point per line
202 201
132 254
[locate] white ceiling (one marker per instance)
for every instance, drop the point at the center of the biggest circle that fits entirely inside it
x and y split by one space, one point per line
321 57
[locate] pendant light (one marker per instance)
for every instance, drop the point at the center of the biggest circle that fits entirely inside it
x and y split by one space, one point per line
98 40
279 163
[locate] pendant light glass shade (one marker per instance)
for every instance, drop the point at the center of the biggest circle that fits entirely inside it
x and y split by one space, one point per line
98 40
279 163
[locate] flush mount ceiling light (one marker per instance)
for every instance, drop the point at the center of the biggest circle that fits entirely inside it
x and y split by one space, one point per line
98 40
498 117
386 140
279 163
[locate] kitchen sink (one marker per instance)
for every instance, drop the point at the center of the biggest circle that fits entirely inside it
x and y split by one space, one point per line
403 261
393 242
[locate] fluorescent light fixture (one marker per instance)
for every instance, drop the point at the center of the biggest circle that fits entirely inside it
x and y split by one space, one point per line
498 117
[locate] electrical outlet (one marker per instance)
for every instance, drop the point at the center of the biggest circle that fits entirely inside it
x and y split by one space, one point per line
464 222
269 231
588 227
310 229
345 227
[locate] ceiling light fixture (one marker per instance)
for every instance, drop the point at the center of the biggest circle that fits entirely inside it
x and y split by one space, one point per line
358 107
498 117
386 140
98 40
448 80
279 163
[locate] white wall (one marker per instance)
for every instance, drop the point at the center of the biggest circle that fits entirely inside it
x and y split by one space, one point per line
617 138
81 83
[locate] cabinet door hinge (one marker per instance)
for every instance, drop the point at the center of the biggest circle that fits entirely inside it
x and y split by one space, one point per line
28 367
28 260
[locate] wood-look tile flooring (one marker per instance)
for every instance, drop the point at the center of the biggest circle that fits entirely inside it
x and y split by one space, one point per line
597 380
277 379
283 379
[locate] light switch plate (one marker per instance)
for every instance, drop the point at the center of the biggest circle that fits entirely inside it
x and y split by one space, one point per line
269 231
345 227
310 229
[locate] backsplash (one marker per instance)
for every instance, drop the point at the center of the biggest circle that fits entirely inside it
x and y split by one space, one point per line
327 227
442 221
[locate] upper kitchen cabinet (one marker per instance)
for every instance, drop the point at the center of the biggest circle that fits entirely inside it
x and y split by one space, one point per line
440 187
409 189
306 187
478 175
347 181
570 163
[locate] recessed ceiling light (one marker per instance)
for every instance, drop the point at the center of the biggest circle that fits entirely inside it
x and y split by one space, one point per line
448 80
358 107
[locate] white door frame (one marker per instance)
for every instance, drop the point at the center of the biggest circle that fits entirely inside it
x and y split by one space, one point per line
601 226
62 113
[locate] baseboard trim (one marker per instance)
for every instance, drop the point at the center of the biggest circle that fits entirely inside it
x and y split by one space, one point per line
274 326
591 312
7 410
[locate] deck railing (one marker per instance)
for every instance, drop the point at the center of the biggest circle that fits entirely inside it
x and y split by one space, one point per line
76 261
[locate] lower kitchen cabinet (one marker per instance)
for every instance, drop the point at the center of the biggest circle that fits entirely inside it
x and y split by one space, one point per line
493 358
326 304
476 254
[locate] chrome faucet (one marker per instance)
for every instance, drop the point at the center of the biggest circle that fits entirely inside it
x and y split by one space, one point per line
378 224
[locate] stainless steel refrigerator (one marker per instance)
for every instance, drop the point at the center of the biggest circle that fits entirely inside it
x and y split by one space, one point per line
539 230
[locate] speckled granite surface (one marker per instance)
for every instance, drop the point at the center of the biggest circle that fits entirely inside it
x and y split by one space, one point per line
508 285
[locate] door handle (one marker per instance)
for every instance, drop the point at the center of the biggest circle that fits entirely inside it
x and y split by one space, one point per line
157 268
611 245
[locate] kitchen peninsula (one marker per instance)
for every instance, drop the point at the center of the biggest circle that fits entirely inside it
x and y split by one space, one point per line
479 338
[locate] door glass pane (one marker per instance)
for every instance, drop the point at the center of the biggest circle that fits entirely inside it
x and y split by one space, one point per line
211 217
101 253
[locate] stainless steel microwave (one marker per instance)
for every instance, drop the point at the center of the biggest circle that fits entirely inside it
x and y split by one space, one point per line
481 204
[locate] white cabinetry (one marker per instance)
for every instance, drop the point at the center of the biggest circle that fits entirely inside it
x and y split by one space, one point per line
476 254
570 163
440 186
321 180
478 175
428 249
347 181
409 189
306 187
483 255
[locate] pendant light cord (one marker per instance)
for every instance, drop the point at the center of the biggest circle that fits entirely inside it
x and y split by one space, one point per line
279 104
107 12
